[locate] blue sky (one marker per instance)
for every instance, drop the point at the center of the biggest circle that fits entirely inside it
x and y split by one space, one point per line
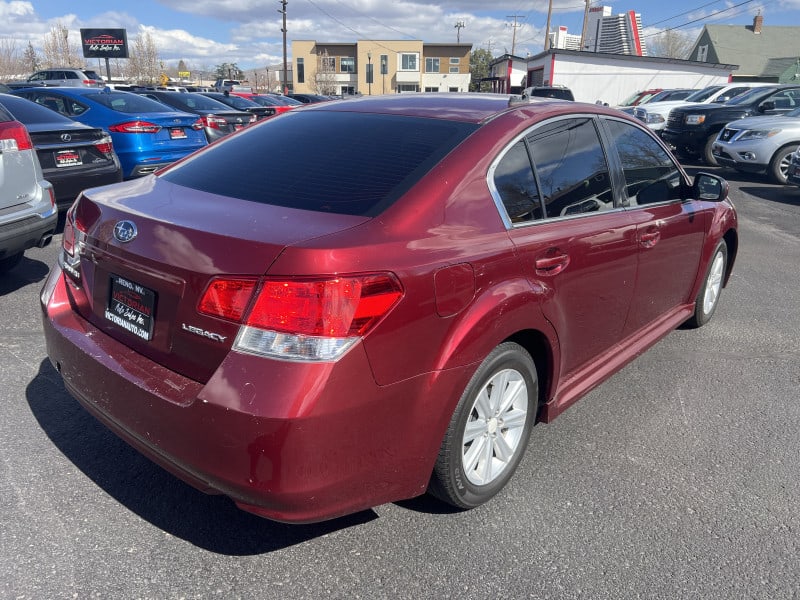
205 33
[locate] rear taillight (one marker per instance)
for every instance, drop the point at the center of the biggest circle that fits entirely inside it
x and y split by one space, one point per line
14 136
72 242
105 145
302 319
198 125
213 121
135 127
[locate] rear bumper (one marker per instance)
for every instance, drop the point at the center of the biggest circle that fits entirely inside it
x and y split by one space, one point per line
27 232
67 186
293 442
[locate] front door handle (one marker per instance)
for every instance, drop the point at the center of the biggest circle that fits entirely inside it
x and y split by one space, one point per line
552 263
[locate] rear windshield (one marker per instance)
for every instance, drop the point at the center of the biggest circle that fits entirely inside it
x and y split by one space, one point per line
338 162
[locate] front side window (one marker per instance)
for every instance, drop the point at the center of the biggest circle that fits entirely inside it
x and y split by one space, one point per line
431 65
651 176
409 62
571 168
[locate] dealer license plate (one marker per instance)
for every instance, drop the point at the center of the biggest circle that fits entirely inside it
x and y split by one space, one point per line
67 158
131 307
177 133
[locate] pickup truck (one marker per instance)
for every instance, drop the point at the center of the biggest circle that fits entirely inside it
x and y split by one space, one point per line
693 129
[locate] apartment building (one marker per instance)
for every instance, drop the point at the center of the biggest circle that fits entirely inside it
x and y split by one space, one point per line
375 67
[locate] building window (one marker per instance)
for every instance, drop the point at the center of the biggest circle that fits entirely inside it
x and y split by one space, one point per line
431 65
384 64
407 87
454 69
348 90
454 60
453 89
409 62
431 89
328 63
301 71
702 53
347 64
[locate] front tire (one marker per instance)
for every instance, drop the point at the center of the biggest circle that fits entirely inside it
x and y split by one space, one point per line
708 298
489 430
779 165
708 155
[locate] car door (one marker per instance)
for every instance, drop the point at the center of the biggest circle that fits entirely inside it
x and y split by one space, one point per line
571 240
670 230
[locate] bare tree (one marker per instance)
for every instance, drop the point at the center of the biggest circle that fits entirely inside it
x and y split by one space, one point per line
670 43
11 65
144 65
59 51
324 80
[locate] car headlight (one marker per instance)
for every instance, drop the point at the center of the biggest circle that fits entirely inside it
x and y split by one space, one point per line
758 134
695 119
653 118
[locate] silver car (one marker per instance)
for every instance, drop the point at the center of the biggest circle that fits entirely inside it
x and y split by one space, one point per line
760 144
28 213
67 76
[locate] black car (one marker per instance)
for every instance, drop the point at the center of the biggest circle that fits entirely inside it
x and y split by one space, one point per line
693 129
218 119
73 156
310 98
240 103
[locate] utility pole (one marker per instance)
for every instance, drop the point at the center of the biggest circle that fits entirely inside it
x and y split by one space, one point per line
515 25
585 23
459 26
547 27
285 64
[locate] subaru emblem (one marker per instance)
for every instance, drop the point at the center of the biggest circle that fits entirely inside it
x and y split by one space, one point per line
124 231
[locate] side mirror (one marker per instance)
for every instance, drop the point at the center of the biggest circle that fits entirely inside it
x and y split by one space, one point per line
710 187
765 106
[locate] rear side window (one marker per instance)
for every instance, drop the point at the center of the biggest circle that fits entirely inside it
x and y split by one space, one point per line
514 182
338 162
571 168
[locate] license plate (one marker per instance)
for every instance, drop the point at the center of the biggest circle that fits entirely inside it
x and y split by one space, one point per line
716 150
131 306
177 133
67 158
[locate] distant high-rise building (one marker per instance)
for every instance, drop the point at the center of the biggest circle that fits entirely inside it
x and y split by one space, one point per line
564 41
614 34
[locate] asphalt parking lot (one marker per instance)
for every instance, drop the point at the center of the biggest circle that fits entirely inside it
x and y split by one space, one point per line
677 478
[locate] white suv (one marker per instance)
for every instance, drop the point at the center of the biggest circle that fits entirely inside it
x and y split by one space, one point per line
67 76
28 213
655 114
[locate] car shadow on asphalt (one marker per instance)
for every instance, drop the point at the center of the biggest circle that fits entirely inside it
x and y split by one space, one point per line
27 272
759 187
210 522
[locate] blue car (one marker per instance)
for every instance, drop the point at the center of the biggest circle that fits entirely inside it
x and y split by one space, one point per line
146 134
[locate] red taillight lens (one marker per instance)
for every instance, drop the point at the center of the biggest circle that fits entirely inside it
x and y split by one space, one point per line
227 298
135 127
105 145
68 239
14 136
337 307
213 121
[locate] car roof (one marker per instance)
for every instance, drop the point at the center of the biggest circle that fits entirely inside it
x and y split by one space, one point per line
470 108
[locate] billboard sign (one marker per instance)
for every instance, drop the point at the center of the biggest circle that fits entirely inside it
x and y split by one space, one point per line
104 43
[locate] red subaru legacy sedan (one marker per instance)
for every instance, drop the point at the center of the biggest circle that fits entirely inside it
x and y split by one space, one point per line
362 301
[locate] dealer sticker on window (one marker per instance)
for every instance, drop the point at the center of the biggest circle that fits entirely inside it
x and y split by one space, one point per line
131 307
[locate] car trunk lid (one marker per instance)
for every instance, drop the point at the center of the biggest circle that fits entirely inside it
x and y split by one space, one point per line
151 248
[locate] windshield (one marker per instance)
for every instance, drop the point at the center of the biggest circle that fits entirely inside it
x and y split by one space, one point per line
704 94
747 97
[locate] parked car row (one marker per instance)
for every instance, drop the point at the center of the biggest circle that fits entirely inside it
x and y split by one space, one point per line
749 127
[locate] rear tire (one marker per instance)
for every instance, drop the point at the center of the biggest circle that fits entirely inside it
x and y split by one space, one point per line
779 165
708 298
489 430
